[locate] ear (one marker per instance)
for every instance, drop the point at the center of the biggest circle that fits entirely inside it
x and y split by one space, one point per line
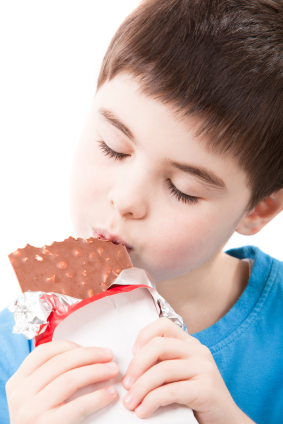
261 215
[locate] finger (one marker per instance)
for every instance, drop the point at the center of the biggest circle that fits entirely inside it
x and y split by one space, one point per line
74 412
181 392
38 357
159 349
163 327
67 384
162 373
62 363
42 354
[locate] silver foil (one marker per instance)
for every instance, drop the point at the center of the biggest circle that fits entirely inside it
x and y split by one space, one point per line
32 309
167 311
31 312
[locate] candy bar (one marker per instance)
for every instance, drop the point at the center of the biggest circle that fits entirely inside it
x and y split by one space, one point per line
79 268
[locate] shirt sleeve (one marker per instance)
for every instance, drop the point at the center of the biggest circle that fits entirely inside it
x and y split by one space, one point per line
14 348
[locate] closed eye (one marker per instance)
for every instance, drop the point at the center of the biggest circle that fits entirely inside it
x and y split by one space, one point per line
181 197
109 152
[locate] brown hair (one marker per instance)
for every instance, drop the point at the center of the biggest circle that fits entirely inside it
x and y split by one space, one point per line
218 60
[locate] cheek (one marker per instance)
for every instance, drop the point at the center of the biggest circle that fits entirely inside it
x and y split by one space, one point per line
187 242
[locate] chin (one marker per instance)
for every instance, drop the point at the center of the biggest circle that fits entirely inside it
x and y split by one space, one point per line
156 274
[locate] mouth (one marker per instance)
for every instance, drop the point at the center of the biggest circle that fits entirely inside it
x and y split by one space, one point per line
105 235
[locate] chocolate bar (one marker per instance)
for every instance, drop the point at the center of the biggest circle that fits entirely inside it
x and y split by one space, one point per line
79 268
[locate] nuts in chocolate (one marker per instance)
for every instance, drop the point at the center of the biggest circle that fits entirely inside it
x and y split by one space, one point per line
79 268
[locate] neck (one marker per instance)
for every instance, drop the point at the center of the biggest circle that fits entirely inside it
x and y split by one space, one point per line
204 295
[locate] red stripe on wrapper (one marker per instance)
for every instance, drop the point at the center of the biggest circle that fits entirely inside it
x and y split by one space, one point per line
60 312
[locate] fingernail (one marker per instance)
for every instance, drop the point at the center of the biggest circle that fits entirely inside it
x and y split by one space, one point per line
136 348
111 365
127 380
138 409
106 351
110 390
128 398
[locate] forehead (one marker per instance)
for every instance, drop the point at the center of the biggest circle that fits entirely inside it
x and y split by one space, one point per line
172 137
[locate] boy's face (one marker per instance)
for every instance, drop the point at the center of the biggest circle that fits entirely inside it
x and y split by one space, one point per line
135 196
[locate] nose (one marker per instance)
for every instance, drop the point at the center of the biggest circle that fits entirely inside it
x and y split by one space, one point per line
128 197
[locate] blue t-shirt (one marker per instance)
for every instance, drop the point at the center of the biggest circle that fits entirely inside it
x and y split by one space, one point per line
247 343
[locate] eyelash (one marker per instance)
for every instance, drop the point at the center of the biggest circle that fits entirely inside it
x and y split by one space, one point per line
181 197
109 152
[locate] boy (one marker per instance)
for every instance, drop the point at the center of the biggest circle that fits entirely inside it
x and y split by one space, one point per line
183 146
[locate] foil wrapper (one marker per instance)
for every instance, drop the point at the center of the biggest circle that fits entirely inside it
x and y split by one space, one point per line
168 312
32 309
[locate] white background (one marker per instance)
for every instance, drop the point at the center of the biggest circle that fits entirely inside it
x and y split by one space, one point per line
51 54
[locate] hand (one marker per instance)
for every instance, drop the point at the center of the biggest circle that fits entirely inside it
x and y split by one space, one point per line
171 366
50 374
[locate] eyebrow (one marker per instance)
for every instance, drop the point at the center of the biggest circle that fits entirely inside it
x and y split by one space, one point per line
207 176
112 119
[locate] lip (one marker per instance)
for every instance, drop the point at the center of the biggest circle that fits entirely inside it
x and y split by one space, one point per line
105 235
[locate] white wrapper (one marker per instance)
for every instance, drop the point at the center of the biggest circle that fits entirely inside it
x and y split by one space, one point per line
113 321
